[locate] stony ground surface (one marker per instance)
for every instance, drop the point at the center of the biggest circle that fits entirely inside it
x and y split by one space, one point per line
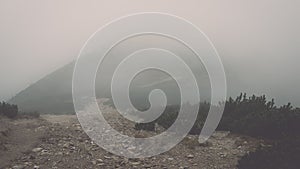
58 142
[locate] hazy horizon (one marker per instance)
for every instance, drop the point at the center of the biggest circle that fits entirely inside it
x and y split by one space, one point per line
258 41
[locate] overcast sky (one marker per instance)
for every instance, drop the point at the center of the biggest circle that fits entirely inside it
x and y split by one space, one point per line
258 40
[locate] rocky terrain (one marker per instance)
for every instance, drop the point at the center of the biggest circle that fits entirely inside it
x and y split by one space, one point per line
57 141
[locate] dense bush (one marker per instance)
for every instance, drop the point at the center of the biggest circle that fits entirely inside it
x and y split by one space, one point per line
254 116
167 118
8 110
257 117
170 114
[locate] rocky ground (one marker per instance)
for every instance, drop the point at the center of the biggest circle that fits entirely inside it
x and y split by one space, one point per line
59 142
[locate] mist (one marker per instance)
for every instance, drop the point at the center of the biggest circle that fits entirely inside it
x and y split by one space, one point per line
258 41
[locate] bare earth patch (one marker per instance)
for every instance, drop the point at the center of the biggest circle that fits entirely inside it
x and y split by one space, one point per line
18 137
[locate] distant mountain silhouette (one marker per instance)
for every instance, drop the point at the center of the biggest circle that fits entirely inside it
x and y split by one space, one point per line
51 94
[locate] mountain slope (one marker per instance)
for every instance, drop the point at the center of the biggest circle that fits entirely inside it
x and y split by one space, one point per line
51 94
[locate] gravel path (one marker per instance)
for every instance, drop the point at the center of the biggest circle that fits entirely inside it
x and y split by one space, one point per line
58 142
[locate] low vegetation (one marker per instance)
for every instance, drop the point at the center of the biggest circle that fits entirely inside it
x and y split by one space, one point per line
8 110
253 116
11 111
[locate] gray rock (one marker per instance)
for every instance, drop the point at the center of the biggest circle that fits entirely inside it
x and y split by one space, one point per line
18 167
190 156
36 150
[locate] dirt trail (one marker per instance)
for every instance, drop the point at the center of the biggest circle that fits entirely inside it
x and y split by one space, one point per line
59 142
18 137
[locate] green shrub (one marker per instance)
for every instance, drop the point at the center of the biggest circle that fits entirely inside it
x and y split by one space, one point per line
8 110
254 116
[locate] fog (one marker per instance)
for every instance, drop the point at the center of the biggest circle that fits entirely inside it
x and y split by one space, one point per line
258 41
